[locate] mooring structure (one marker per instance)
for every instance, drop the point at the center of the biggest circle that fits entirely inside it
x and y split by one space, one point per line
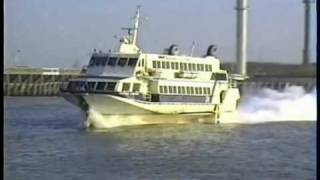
242 39
307 32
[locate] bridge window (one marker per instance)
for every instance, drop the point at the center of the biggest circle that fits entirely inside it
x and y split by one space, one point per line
104 61
142 62
100 86
92 61
125 87
122 61
158 64
112 61
210 67
183 90
136 87
190 66
111 86
91 86
133 61
179 90
154 64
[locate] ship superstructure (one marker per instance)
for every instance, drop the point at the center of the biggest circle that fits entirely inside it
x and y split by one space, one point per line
130 81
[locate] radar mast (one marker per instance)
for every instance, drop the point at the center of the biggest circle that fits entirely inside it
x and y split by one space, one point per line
136 26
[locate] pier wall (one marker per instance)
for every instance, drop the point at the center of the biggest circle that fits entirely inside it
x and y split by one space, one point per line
36 82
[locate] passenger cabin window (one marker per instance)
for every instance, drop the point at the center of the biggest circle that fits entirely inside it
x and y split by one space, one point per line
165 89
183 90
167 65
198 67
100 86
136 87
133 61
219 76
161 89
122 61
163 65
193 67
174 89
125 87
112 61
173 65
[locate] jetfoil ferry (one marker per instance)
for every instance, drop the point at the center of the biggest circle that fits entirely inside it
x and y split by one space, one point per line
131 83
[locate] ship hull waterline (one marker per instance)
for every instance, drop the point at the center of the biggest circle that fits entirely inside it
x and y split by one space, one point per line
108 111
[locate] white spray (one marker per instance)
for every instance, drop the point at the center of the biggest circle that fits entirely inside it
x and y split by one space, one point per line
265 105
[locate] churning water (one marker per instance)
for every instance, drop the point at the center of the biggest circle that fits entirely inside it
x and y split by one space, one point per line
45 139
291 104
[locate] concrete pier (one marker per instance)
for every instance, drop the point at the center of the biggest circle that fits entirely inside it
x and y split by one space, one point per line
36 81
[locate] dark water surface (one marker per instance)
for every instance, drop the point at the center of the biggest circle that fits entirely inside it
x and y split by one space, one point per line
45 139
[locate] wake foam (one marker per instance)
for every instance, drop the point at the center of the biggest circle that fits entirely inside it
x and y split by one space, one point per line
267 105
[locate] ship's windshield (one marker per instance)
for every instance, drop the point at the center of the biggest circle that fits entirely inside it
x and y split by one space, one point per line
112 61
133 61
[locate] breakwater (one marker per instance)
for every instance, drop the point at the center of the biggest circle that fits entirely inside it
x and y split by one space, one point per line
36 81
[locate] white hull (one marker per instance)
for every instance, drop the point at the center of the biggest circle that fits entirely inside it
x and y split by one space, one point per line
106 111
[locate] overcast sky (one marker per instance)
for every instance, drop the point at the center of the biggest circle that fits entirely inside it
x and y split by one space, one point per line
56 33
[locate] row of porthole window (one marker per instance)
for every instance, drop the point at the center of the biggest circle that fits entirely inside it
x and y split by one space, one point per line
184 90
112 61
181 66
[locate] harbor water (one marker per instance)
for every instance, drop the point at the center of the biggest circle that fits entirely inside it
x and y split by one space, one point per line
45 138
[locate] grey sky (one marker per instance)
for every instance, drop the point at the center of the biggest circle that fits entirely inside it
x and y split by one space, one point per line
55 33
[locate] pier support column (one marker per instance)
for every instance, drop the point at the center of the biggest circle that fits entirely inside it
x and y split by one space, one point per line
307 32
241 49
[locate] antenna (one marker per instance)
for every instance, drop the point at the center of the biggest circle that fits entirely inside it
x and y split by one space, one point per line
136 25
192 48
